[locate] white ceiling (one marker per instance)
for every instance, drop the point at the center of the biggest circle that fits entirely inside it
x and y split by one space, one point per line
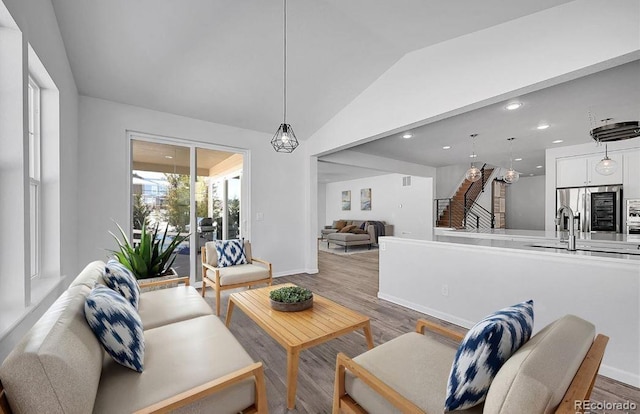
331 172
221 61
571 110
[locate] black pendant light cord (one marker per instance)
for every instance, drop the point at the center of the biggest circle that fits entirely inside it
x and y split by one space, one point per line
285 65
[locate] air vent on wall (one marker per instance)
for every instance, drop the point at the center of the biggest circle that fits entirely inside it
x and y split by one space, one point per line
616 132
406 181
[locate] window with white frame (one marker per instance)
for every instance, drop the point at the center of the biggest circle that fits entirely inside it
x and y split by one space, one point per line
34 176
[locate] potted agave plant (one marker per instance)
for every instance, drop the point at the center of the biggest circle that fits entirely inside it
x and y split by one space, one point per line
151 259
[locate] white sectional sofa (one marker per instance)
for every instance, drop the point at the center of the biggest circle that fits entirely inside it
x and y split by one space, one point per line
192 362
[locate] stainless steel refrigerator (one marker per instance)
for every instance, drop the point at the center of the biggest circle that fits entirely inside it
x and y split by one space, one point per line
596 209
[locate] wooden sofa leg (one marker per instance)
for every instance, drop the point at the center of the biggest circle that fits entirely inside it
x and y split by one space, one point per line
204 287
217 302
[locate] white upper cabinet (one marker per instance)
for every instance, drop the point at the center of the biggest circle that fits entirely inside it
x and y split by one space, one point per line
581 171
631 174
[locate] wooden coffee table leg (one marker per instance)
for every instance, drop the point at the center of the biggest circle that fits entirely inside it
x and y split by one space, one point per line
367 335
229 312
293 356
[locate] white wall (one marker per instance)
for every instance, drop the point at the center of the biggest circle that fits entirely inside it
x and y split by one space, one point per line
490 278
409 209
322 206
276 183
37 22
525 204
449 178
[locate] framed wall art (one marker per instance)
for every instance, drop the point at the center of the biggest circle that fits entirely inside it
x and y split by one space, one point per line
346 200
365 199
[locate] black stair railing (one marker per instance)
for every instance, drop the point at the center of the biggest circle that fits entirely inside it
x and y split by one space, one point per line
450 212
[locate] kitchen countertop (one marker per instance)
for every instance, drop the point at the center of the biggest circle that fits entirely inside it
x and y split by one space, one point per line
539 235
594 245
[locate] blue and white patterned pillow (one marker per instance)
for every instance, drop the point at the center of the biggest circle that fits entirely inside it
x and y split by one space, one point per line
230 253
483 351
117 326
120 279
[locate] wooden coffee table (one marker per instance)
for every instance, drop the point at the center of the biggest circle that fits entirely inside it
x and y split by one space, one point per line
296 331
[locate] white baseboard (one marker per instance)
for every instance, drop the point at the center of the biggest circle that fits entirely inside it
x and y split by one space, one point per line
426 310
292 272
619 375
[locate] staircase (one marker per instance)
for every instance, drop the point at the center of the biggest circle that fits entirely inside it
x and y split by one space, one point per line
461 211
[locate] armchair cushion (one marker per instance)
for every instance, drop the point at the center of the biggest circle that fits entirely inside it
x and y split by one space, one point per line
117 326
485 347
415 365
540 372
239 274
120 279
230 253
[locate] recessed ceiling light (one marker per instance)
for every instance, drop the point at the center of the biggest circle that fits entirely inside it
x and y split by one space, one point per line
513 105
169 157
446 147
407 135
538 166
557 141
472 156
517 159
531 175
543 126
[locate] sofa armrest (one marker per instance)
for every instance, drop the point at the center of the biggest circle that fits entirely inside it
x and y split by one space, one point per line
329 227
211 387
264 262
341 399
388 229
423 324
184 279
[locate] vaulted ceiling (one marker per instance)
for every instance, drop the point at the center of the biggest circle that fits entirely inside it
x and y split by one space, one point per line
221 61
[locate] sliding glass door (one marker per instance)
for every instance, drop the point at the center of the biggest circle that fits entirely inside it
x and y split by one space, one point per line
185 188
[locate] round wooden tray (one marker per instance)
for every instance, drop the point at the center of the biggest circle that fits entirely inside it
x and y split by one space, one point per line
291 307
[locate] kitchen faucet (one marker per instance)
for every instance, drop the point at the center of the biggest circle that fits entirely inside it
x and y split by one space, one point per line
572 228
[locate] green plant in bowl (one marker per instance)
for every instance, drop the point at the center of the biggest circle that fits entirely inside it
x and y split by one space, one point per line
291 299
150 258
290 294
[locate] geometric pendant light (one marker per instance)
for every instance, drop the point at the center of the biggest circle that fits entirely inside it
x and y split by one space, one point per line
473 174
512 175
606 166
285 139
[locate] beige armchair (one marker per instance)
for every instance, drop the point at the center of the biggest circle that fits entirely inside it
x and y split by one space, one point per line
256 271
551 372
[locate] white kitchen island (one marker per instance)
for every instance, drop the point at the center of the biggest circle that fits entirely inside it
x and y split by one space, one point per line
462 279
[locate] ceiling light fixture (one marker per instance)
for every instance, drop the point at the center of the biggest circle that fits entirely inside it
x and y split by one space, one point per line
285 139
557 141
407 135
513 106
606 166
473 174
518 159
543 126
169 157
538 166
512 175
446 147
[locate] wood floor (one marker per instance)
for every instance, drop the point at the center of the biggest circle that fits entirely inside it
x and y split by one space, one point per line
351 280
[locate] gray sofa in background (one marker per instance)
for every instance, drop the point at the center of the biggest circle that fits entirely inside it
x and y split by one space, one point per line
358 236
